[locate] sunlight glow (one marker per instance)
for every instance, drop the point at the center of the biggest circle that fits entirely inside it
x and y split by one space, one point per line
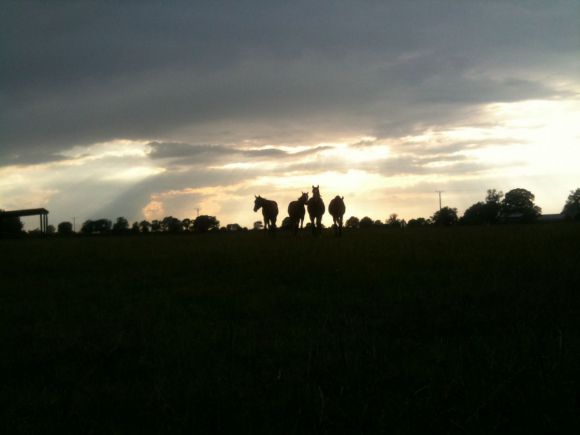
134 173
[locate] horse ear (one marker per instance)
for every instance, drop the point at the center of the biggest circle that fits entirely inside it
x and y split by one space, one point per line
256 196
318 187
342 197
313 186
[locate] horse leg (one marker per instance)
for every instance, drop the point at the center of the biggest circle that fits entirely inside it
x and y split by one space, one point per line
312 224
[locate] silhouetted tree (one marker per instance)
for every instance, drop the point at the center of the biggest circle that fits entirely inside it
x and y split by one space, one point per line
186 224
98 226
377 223
171 224
519 203
50 229
487 212
258 225
135 228
121 225
145 226
445 216
65 228
572 207
493 196
352 222
102 225
205 223
393 221
155 226
418 222
87 227
474 214
365 222
10 225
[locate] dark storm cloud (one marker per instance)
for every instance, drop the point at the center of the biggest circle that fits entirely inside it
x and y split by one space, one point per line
25 157
83 72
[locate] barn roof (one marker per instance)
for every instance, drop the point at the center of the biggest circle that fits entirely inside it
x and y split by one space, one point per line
26 212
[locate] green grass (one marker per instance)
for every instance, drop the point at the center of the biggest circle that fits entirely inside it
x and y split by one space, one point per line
457 330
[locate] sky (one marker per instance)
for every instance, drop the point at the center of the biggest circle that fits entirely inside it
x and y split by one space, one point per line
148 109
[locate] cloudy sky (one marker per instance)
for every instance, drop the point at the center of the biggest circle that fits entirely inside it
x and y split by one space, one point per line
147 109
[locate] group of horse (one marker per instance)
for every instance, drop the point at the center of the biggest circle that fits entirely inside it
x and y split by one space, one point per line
296 211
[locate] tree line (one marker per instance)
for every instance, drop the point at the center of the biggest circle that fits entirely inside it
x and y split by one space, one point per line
517 205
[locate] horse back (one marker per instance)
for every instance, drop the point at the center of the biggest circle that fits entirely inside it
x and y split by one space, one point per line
336 207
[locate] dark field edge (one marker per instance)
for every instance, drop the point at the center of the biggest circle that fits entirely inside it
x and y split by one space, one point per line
459 330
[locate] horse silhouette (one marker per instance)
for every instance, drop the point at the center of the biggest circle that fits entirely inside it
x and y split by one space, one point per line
269 211
316 209
296 211
337 208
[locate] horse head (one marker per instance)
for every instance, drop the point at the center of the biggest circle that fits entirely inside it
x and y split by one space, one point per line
303 198
257 202
316 191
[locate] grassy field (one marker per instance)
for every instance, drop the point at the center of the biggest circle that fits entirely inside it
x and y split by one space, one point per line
463 330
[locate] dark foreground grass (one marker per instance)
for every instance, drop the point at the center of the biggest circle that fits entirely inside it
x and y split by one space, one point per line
469 330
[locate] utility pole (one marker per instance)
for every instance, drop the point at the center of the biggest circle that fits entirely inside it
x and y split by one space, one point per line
439 192
197 210
74 218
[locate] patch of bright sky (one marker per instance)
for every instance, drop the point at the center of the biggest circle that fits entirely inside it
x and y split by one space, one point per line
115 148
548 133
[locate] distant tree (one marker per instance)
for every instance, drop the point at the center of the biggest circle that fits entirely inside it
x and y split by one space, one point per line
145 226
233 227
418 222
135 228
352 222
205 223
487 212
186 224
377 223
65 228
102 225
520 202
10 225
393 221
493 196
121 225
365 222
171 225
258 225
155 226
446 216
50 229
87 227
474 214
571 209
98 226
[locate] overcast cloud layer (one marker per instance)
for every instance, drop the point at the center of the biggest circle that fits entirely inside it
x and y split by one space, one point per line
153 108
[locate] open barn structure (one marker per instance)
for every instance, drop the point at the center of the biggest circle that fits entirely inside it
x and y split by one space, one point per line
41 212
